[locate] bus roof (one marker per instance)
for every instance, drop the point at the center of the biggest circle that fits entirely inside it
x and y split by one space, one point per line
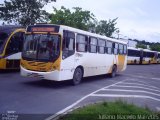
91 34
133 48
63 27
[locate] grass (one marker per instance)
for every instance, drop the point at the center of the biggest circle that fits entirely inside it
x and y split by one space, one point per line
111 110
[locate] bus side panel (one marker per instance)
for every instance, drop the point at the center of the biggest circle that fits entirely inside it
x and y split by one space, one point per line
67 68
122 62
133 60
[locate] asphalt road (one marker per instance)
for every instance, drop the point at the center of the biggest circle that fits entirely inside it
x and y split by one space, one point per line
139 84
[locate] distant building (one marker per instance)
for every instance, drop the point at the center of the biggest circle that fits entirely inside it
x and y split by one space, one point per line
132 43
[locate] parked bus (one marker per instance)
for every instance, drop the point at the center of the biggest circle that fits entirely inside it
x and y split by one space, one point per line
57 52
149 57
134 55
142 56
11 42
158 60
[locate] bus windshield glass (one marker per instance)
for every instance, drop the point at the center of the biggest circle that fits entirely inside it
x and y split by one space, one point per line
3 39
41 47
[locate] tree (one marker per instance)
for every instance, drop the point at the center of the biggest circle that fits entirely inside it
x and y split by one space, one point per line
140 45
79 18
24 12
155 46
107 28
84 20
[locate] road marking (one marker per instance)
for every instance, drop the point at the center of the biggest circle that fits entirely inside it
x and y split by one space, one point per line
158 108
139 91
78 101
142 77
155 79
137 87
140 84
125 96
136 80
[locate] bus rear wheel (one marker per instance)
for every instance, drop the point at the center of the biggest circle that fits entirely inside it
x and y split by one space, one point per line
77 77
114 71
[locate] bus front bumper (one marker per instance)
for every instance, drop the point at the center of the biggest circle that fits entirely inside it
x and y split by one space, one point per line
53 75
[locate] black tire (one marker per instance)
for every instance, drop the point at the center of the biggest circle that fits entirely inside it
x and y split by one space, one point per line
114 71
149 62
77 76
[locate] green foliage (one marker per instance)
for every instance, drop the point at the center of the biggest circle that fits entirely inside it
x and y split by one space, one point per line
84 20
155 46
78 18
24 12
140 45
106 28
108 110
143 44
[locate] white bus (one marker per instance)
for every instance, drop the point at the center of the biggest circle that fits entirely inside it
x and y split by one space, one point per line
134 55
142 56
57 52
11 42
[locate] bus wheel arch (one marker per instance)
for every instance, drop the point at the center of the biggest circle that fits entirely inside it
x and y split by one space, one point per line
114 71
78 75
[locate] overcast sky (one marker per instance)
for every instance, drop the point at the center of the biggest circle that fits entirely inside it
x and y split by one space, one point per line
136 18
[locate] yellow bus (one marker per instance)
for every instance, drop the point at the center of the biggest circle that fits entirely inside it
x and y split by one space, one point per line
57 52
11 42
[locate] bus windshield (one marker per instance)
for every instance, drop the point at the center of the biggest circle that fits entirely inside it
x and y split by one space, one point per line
41 47
3 38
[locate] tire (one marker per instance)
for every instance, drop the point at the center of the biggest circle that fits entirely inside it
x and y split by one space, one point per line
77 76
149 62
114 71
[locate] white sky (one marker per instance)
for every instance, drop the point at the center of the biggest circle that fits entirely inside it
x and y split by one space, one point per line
136 18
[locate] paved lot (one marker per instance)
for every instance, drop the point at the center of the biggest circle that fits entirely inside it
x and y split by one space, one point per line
140 84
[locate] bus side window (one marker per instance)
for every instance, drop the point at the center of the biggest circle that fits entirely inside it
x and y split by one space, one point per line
81 43
15 43
125 50
115 48
121 49
68 44
93 45
109 46
101 46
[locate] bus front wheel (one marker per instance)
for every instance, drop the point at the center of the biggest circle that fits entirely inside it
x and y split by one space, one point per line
77 77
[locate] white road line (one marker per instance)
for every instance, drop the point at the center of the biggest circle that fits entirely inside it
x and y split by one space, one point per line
155 79
139 91
136 80
78 101
125 96
158 108
137 87
142 77
140 85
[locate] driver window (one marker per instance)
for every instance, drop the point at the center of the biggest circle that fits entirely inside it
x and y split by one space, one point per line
16 43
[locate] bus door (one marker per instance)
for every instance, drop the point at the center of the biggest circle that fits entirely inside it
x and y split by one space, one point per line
141 57
68 62
14 49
